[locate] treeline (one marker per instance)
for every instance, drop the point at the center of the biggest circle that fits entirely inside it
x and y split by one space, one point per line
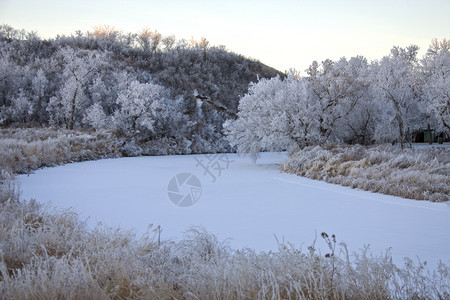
160 94
353 101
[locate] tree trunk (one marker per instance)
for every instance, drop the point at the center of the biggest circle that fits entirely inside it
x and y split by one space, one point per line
429 135
72 111
133 126
401 129
443 117
398 117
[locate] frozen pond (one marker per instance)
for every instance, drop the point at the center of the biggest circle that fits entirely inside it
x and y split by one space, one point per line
241 201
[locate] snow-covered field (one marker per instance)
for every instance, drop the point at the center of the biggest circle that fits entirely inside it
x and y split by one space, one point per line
244 202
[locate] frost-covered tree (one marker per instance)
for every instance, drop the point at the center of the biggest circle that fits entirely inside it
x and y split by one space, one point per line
10 79
168 42
8 32
395 83
251 126
138 106
149 40
358 123
79 67
15 104
39 87
337 89
20 110
436 87
95 117
173 129
274 115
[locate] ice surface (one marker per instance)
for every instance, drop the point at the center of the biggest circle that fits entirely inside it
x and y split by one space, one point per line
245 202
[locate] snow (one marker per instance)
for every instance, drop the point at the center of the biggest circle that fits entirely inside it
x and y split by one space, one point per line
244 202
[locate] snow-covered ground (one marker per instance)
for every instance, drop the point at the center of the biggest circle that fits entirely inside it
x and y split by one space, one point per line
245 202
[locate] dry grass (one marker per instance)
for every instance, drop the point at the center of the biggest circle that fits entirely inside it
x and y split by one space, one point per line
421 174
26 149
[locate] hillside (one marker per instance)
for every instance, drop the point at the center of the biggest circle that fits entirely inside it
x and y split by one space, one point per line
158 94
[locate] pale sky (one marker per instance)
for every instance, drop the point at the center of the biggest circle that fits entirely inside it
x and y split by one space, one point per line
283 34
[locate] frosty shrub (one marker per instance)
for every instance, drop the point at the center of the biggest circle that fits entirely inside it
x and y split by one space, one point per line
421 174
8 187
